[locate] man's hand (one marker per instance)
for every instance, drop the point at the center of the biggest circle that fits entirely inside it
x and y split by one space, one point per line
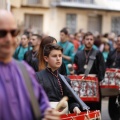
51 114
66 57
76 110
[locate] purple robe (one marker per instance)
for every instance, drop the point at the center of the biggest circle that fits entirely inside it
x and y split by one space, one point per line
14 97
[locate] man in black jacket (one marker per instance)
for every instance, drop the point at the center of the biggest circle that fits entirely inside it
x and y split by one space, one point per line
113 61
31 56
98 67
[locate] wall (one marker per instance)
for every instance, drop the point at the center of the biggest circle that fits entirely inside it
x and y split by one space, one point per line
54 19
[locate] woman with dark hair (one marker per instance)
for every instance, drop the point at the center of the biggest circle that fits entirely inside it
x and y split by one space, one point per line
106 50
41 61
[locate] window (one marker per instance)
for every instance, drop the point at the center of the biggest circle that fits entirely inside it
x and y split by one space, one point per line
94 23
33 2
71 22
116 25
35 22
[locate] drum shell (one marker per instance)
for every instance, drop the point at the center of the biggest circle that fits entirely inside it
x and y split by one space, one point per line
87 88
93 115
110 84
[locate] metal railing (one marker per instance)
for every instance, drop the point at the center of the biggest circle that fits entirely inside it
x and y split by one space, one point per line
34 2
78 1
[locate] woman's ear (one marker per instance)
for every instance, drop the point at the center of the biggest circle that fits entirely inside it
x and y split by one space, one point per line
46 58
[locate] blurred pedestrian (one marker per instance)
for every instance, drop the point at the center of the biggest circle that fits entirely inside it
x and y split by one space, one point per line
81 60
113 61
76 41
31 56
41 61
68 48
106 50
22 48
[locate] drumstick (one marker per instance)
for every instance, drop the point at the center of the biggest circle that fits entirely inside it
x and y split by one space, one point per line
60 104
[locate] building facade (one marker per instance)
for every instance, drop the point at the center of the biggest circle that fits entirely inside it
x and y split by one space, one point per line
3 4
50 16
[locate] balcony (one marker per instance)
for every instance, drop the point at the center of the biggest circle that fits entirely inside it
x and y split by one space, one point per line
89 4
36 3
78 1
74 3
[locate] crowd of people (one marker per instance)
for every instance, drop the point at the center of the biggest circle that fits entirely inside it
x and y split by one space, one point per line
50 58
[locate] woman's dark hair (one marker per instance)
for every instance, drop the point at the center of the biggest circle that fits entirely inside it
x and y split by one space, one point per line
49 47
106 43
44 42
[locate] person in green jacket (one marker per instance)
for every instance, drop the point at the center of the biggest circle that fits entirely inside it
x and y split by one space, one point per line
68 48
22 48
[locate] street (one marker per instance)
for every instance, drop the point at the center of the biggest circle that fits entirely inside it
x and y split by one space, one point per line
105 115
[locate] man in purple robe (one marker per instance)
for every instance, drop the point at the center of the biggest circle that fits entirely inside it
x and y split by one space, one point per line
14 97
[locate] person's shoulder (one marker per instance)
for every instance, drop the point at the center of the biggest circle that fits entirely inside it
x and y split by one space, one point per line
70 44
31 48
112 51
18 48
81 47
40 72
95 47
28 67
66 78
79 52
29 52
98 52
58 42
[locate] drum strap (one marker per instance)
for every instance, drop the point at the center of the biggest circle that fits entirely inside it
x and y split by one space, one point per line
33 100
83 105
90 62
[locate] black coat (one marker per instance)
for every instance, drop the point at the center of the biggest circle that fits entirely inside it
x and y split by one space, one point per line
32 61
98 68
114 110
50 84
113 57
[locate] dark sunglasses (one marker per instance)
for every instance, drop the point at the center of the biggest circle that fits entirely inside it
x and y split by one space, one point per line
13 32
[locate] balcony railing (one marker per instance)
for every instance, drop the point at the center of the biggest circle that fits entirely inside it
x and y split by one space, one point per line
36 3
78 1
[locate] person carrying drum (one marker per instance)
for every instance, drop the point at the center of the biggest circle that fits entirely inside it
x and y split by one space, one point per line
82 59
51 80
113 61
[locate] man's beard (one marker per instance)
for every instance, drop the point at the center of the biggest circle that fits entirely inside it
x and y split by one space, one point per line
88 47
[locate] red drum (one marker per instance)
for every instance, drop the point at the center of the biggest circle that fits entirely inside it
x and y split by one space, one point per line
87 89
91 115
110 84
